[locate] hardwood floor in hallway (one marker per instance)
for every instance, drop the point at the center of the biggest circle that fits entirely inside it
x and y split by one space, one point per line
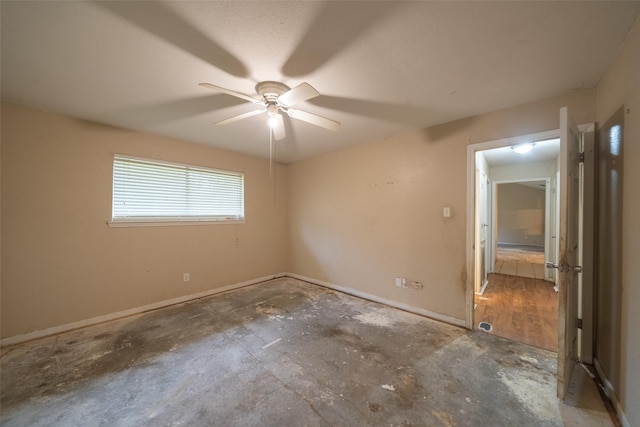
521 261
520 308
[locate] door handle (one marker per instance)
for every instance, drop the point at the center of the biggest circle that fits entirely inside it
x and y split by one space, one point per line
563 268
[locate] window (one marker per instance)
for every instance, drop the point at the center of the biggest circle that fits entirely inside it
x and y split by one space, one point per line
150 191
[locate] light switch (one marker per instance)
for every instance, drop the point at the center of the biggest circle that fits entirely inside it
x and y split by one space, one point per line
446 212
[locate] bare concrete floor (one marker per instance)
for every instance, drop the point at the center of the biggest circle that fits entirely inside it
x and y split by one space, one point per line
286 353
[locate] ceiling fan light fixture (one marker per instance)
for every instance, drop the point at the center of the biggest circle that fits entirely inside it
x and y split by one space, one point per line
277 97
523 148
272 112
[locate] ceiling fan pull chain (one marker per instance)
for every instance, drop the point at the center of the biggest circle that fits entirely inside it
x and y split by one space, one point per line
270 152
272 172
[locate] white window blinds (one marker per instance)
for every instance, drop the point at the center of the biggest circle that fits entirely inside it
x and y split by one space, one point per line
149 190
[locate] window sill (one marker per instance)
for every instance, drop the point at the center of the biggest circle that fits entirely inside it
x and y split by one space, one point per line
170 223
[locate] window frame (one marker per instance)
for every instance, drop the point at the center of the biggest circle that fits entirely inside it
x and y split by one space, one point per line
160 221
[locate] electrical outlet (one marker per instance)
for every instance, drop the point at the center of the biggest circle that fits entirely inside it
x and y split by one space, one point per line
185 277
416 285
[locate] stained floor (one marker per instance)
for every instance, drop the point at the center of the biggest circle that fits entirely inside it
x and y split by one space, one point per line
520 261
285 353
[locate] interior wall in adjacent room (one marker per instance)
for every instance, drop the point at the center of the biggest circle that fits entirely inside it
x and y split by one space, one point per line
521 214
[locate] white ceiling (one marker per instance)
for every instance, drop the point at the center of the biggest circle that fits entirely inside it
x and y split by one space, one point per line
542 151
381 67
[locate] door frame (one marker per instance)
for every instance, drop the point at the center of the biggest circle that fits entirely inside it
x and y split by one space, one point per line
480 280
585 307
472 149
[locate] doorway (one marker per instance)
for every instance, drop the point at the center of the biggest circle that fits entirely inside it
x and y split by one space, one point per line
523 215
516 224
574 167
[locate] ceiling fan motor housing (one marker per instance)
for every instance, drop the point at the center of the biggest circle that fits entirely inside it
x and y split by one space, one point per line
270 91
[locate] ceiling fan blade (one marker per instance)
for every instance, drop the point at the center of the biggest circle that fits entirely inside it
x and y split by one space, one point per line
279 132
314 119
239 117
298 94
230 92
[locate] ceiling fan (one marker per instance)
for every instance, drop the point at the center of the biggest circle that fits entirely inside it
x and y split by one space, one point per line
276 97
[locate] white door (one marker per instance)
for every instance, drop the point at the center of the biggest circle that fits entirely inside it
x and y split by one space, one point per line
569 264
482 229
488 234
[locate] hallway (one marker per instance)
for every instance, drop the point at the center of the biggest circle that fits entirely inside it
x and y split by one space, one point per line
520 308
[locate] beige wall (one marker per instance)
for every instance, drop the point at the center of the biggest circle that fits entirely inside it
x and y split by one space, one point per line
60 261
521 214
362 216
621 85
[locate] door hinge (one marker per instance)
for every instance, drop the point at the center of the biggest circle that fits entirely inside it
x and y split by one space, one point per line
581 157
579 323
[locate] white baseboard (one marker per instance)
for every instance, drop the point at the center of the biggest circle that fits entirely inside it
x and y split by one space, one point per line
610 392
395 304
17 339
482 289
